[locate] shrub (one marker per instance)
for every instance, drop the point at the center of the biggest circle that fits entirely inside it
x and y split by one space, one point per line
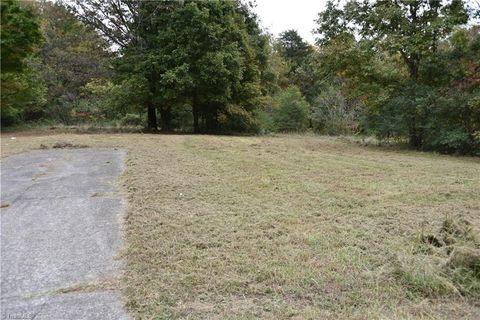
60 110
293 112
182 117
266 122
11 115
332 113
131 119
114 101
442 120
23 94
237 119
451 122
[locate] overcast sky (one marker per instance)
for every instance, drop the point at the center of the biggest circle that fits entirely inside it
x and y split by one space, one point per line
280 15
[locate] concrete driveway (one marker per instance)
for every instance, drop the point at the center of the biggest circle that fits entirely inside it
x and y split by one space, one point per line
60 234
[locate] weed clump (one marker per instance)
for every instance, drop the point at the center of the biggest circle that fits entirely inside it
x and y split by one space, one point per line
445 263
458 230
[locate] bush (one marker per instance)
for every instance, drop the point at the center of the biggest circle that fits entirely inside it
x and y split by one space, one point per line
293 111
182 117
237 119
23 94
333 114
443 120
60 110
10 115
131 119
114 101
266 122
449 123
455 140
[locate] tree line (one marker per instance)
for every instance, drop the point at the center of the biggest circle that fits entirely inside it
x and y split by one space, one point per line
405 70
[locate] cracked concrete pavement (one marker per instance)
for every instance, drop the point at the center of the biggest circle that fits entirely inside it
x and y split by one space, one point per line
60 229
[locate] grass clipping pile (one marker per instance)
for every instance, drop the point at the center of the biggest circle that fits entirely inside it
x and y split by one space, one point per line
63 145
443 263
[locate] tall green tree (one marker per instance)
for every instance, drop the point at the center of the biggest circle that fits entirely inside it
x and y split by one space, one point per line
20 35
294 47
209 54
73 54
410 28
301 61
118 22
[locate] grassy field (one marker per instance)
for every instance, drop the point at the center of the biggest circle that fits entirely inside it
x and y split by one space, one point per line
291 227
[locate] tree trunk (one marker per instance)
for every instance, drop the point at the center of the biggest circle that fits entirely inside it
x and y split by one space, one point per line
166 119
211 123
415 137
415 140
195 111
413 70
152 118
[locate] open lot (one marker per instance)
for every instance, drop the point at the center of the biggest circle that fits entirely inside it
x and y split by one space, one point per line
299 227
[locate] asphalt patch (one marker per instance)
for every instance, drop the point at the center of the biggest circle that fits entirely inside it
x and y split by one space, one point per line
55 234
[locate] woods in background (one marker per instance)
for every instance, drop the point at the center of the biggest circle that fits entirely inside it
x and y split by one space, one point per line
410 69
54 59
405 70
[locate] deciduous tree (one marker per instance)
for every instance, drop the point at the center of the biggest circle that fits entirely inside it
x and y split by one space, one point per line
411 29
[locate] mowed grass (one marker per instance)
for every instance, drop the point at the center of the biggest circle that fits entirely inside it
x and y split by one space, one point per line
286 227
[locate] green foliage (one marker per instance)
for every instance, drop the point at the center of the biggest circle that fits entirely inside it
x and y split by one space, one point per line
73 55
22 89
300 59
332 114
236 119
410 28
450 141
49 83
446 118
333 23
114 101
398 69
266 122
293 111
452 124
133 119
275 74
206 54
20 34
294 48
410 83
182 118
220 54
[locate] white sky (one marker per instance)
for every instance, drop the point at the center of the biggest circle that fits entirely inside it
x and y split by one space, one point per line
281 15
